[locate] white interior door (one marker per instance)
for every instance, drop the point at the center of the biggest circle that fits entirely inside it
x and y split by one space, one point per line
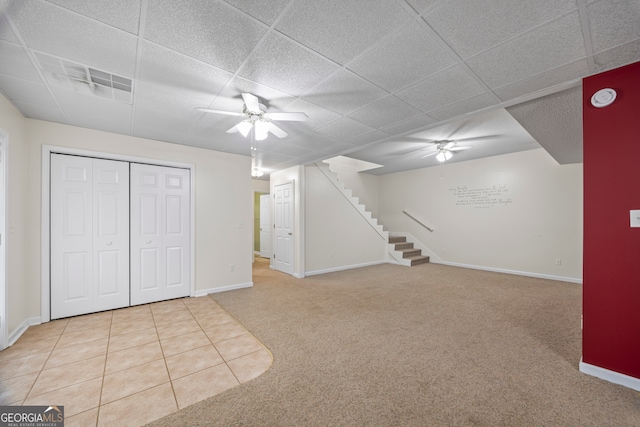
265 225
283 230
160 233
89 235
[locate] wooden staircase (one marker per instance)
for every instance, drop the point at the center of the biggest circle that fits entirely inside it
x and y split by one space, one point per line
412 255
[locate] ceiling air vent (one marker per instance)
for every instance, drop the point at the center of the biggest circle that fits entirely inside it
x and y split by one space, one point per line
83 79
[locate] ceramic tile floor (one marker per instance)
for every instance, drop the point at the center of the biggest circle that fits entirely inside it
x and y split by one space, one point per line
133 365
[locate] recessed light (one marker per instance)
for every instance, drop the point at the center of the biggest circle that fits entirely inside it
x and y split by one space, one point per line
603 98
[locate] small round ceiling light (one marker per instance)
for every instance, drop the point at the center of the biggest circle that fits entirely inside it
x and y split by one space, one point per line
603 98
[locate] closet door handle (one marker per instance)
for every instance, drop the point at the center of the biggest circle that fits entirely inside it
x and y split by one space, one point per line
148 242
109 243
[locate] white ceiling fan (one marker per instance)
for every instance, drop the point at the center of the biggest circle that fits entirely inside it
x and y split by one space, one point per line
444 150
256 117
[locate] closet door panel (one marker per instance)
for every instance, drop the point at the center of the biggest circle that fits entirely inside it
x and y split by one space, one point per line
160 202
176 232
111 234
89 235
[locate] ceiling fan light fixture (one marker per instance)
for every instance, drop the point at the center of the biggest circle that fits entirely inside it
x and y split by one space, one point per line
262 129
244 127
443 156
256 173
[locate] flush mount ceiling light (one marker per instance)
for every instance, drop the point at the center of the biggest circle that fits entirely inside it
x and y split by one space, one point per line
603 98
256 118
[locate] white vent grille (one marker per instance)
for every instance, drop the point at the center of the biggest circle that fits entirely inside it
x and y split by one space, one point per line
83 79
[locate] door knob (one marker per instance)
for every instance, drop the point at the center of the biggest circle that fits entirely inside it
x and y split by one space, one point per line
148 242
109 243
290 234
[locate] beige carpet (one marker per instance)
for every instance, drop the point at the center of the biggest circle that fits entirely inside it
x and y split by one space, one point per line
429 345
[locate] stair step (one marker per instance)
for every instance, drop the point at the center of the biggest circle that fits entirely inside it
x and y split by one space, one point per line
397 239
403 245
418 259
407 253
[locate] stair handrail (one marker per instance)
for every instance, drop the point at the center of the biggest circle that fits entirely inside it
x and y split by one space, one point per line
418 220
342 191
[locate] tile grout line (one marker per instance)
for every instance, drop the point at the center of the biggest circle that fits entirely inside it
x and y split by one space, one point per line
104 371
164 359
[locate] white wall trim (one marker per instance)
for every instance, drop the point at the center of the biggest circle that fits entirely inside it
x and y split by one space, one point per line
4 319
611 376
204 292
348 267
45 310
515 272
17 333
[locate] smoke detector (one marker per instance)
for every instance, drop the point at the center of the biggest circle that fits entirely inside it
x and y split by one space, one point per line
603 98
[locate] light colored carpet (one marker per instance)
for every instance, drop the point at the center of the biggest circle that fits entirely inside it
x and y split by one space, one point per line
429 345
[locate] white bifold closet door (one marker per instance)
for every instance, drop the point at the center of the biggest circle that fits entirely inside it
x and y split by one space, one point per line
160 233
89 235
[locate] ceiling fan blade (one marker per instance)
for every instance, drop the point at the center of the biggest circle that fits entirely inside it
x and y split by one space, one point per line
430 154
291 117
233 129
251 101
277 131
228 113
460 147
448 145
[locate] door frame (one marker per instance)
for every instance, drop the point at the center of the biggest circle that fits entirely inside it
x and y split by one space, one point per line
293 228
4 307
270 225
45 250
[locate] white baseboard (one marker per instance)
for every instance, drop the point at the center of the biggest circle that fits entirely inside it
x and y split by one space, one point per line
204 292
516 272
611 376
17 333
346 267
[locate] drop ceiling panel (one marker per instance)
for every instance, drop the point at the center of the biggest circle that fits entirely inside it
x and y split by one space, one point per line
123 14
286 66
6 33
74 103
117 121
368 138
412 124
552 45
471 27
414 52
469 105
266 12
340 30
216 33
344 129
344 92
384 112
16 63
613 23
564 73
445 88
617 57
313 140
41 112
421 5
49 28
24 91
174 71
